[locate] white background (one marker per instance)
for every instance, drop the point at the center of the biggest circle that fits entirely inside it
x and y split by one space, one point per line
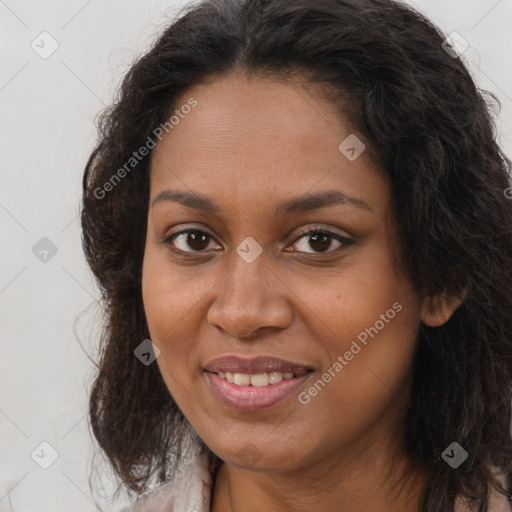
48 108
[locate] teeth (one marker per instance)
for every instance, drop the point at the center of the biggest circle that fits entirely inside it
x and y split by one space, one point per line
275 377
257 379
242 379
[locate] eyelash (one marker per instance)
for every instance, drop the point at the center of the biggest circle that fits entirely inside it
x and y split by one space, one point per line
343 240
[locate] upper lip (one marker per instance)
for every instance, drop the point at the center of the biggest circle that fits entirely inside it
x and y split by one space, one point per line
262 364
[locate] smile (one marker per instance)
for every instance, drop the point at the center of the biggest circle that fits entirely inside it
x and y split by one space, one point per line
255 384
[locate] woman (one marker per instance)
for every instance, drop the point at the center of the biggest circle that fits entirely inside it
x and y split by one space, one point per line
297 214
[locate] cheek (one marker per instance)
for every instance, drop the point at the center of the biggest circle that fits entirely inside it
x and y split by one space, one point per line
172 304
367 323
369 369
364 294
170 293
164 306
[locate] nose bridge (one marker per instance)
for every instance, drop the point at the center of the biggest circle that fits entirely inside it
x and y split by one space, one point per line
246 282
247 298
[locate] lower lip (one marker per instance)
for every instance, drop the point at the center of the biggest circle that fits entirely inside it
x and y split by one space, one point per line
254 398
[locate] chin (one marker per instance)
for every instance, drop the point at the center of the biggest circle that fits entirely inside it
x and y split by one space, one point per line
261 455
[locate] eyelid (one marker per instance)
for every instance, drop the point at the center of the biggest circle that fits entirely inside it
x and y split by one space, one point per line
318 228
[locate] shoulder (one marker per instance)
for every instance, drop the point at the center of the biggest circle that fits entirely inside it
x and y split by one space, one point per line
189 490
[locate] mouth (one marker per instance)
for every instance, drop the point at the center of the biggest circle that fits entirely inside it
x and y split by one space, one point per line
254 384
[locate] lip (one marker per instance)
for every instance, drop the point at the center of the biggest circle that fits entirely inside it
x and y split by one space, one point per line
261 364
254 398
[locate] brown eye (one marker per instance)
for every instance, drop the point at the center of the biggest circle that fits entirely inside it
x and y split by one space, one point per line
320 241
194 239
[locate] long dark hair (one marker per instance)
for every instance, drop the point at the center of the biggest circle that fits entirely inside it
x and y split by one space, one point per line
433 132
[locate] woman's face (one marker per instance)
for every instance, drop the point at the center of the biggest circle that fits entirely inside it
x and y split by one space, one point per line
245 290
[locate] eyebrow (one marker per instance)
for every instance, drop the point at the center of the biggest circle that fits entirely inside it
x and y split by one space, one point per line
316 201
299 204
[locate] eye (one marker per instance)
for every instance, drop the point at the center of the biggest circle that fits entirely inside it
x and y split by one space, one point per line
196 239
320 240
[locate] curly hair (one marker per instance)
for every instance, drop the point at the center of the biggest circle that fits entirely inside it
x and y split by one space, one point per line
432 131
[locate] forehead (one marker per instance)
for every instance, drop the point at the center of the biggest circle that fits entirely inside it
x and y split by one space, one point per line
248 136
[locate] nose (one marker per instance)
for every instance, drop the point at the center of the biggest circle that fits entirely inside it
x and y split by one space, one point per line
251 298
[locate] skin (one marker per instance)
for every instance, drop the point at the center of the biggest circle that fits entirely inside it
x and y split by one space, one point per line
248 145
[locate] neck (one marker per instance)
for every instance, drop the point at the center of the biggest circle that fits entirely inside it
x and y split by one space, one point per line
371 477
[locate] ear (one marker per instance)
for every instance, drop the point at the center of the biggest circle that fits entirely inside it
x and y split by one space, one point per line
436 310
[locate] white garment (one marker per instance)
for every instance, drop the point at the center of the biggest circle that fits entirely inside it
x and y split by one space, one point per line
190 491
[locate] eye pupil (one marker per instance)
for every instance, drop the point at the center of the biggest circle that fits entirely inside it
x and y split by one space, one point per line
318 242
197 237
